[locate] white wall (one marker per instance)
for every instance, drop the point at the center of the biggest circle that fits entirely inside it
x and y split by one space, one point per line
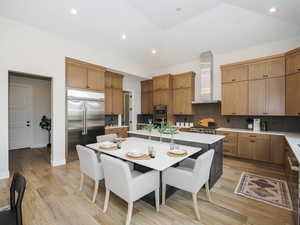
29 50
267 49
41 105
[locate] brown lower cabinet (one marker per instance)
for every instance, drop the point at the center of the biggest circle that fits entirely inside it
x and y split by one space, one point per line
260 147
120 131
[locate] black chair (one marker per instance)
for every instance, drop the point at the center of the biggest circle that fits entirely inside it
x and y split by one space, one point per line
14 215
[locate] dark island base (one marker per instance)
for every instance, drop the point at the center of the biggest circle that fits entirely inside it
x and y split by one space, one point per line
215 172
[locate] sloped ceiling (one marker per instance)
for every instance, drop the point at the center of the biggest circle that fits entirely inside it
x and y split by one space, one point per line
178 29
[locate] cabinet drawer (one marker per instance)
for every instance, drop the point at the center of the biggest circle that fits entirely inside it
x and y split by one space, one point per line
250 135
227 133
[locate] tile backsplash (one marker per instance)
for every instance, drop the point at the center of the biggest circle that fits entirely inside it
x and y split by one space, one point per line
111 120
275 123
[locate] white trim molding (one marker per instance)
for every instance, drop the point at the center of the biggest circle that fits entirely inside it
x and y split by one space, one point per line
4 174
58 163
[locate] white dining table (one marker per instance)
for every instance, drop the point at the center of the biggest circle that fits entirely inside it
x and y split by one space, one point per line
161 161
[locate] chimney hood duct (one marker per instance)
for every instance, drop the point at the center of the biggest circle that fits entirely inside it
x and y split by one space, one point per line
204 80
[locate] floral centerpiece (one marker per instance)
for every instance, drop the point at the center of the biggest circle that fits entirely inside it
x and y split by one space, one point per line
161 129
150 126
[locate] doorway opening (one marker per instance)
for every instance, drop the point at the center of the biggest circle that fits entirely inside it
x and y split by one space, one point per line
127 115
30 109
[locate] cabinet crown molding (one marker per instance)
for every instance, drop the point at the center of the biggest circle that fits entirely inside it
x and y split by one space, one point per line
86 64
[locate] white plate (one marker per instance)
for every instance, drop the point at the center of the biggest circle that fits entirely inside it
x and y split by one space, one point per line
178 151
107 144
136 154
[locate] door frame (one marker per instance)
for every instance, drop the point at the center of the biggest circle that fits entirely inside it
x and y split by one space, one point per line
37 76
31 112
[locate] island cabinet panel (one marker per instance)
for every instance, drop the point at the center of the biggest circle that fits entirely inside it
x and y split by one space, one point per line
267 69
293 62
235 73
77 76
293 94
277 145
235 98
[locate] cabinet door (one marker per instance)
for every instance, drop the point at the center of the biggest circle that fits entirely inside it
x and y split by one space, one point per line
96 80
228 96
182 101
241 98
235 73
258 70
275 93
184 80
293 94
76 76
117 103
257 97
156 98
117 81
245 147
161 82
108 101
277 145
150 102
144 103
276 67
261 149
108 79
293 63
165 97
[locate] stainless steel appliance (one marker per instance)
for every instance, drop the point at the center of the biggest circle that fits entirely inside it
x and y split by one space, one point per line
86 117
160 113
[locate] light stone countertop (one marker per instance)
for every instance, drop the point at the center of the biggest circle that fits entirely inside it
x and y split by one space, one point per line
293 139
184 136
114 127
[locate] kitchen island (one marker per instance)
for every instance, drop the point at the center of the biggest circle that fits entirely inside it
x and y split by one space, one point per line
204 141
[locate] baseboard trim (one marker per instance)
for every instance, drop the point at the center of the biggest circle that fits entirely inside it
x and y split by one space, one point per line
58 163
39 146
4 174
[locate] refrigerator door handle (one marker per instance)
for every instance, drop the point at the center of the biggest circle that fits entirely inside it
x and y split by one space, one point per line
83 122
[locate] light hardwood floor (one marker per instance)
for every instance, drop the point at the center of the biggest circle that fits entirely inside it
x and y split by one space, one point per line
53 197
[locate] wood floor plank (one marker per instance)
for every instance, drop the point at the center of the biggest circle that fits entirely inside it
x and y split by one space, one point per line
52 197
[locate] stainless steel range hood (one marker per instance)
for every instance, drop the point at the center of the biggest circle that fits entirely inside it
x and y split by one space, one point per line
204 80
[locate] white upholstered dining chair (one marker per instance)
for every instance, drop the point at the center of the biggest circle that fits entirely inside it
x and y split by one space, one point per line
107 137
190 176
89 166
129 185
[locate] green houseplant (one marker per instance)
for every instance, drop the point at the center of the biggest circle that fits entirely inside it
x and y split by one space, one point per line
149 128
45 124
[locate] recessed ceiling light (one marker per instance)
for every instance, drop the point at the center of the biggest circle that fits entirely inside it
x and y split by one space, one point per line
73 11
272 10
178 9
124 36
153 51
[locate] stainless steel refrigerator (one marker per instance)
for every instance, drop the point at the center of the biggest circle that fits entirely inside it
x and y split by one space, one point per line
86 117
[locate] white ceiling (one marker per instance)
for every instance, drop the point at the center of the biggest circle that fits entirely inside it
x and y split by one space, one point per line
217 25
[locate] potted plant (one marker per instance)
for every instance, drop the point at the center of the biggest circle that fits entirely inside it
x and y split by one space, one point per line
161 130
149 128
45 124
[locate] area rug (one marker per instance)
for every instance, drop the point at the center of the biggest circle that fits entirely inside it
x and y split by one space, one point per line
268 190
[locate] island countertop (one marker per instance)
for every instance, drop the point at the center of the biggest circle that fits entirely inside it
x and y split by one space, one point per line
184 136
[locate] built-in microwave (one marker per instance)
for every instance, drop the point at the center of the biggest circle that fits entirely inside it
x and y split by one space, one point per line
160 113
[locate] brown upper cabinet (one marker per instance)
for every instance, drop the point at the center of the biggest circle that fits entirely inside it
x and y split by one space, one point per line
235 98
113 93
235 73
147 96
267 96
293 62
293 94
162 82
183 93
82 75
267 69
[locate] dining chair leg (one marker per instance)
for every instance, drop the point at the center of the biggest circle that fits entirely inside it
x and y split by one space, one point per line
95 191
196 206
81 181
157 199
164 194
107 192
208 191
129 213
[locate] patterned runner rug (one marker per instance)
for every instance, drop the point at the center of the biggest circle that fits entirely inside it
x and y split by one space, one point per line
268 190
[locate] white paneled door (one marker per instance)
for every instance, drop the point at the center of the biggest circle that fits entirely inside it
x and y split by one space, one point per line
20 116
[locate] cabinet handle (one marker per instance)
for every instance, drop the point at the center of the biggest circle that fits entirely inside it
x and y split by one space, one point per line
233 80
252 136
252 141
265 75
298 113
298 69
233 113
265 113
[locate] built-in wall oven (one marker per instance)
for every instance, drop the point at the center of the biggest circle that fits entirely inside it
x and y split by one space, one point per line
160 113
292 174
